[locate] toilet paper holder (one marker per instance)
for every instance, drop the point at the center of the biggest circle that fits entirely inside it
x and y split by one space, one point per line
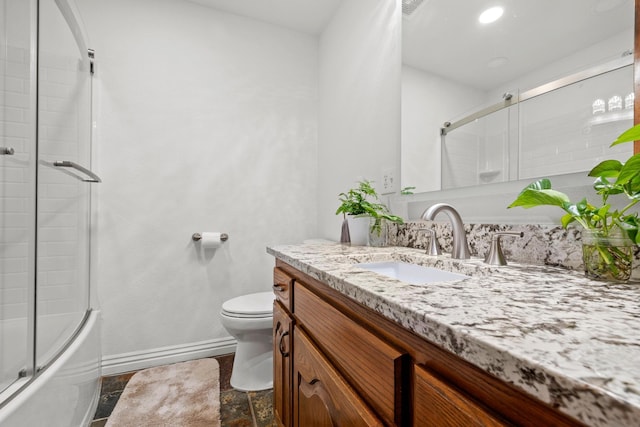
197 236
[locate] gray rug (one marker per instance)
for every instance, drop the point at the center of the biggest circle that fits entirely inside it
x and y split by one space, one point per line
184 394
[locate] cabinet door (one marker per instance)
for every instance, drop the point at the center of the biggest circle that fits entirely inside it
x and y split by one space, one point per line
321 397
374 368
282 341
438 404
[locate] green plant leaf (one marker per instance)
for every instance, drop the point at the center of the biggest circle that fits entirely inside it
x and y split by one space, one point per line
362 201
541 184
604 210
532 197
629 135
632 188
583 206
392 218
571 209
606 188
630 225
567 219
607 168
407 190
630 170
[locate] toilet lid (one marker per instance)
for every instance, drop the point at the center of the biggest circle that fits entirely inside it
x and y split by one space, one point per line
252 305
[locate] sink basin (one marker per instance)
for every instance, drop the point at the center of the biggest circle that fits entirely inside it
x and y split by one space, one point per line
411 273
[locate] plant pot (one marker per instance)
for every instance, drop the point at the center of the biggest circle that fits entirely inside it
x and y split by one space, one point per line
607 257
359 229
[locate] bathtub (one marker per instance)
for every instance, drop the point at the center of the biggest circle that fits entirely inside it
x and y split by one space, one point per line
66 393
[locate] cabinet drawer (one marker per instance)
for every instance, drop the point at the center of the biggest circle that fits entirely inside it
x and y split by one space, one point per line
321 397
374 368
282 287
438 404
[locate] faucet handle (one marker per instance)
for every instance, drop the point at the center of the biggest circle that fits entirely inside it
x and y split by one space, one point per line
433 248
495 255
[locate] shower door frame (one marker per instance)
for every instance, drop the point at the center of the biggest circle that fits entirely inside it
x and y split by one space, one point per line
32 371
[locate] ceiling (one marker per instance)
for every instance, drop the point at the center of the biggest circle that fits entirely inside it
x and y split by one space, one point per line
444 37
307 16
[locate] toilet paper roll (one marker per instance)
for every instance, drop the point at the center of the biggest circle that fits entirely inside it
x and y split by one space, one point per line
211 240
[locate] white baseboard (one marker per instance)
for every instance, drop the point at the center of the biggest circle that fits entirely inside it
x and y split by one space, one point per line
127 362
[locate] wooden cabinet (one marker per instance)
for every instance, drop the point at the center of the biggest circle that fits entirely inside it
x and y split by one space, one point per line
373 367
339 363
282 344
437 404
321 396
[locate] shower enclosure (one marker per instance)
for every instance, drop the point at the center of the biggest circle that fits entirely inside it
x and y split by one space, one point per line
561 127
45 212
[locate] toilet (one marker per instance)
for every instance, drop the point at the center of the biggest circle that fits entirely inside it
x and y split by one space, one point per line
249 319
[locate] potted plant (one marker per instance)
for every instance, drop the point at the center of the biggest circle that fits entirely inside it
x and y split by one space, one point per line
609 235
363 213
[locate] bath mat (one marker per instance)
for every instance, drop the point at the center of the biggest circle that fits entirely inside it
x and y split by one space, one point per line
184 394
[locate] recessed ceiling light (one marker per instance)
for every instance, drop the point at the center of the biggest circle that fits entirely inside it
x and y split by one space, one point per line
491 15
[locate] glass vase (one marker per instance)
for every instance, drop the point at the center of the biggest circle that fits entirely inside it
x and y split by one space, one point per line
378 232
607 257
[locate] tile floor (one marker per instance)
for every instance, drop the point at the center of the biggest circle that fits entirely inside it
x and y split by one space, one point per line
237 409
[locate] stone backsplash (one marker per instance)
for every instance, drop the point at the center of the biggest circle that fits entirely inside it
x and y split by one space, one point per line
540 244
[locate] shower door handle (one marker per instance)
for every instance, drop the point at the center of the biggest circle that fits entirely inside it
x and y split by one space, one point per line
69 164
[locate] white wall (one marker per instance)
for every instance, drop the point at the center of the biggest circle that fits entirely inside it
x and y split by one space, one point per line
600 53
207 122
428 101
359 109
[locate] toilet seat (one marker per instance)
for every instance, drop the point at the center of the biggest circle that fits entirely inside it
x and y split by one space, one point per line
258 305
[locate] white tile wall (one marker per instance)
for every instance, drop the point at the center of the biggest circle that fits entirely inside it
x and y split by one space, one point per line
558 132
557 135
16 183
64 106
63 203
460 159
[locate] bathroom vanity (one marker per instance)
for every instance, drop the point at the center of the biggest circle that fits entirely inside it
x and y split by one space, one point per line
514 345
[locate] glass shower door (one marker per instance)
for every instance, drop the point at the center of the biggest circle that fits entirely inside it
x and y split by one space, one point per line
17 188
64 144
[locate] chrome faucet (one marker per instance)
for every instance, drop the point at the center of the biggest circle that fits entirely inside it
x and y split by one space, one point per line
460 245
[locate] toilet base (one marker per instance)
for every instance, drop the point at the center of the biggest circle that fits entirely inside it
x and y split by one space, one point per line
253 365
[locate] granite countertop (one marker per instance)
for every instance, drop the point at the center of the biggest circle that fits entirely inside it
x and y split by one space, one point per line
567 340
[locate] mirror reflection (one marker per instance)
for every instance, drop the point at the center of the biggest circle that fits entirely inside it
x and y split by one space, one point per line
455 66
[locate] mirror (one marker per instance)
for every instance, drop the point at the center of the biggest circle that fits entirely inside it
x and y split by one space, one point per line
454 66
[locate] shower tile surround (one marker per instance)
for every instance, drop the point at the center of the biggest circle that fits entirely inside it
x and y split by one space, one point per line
548 330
